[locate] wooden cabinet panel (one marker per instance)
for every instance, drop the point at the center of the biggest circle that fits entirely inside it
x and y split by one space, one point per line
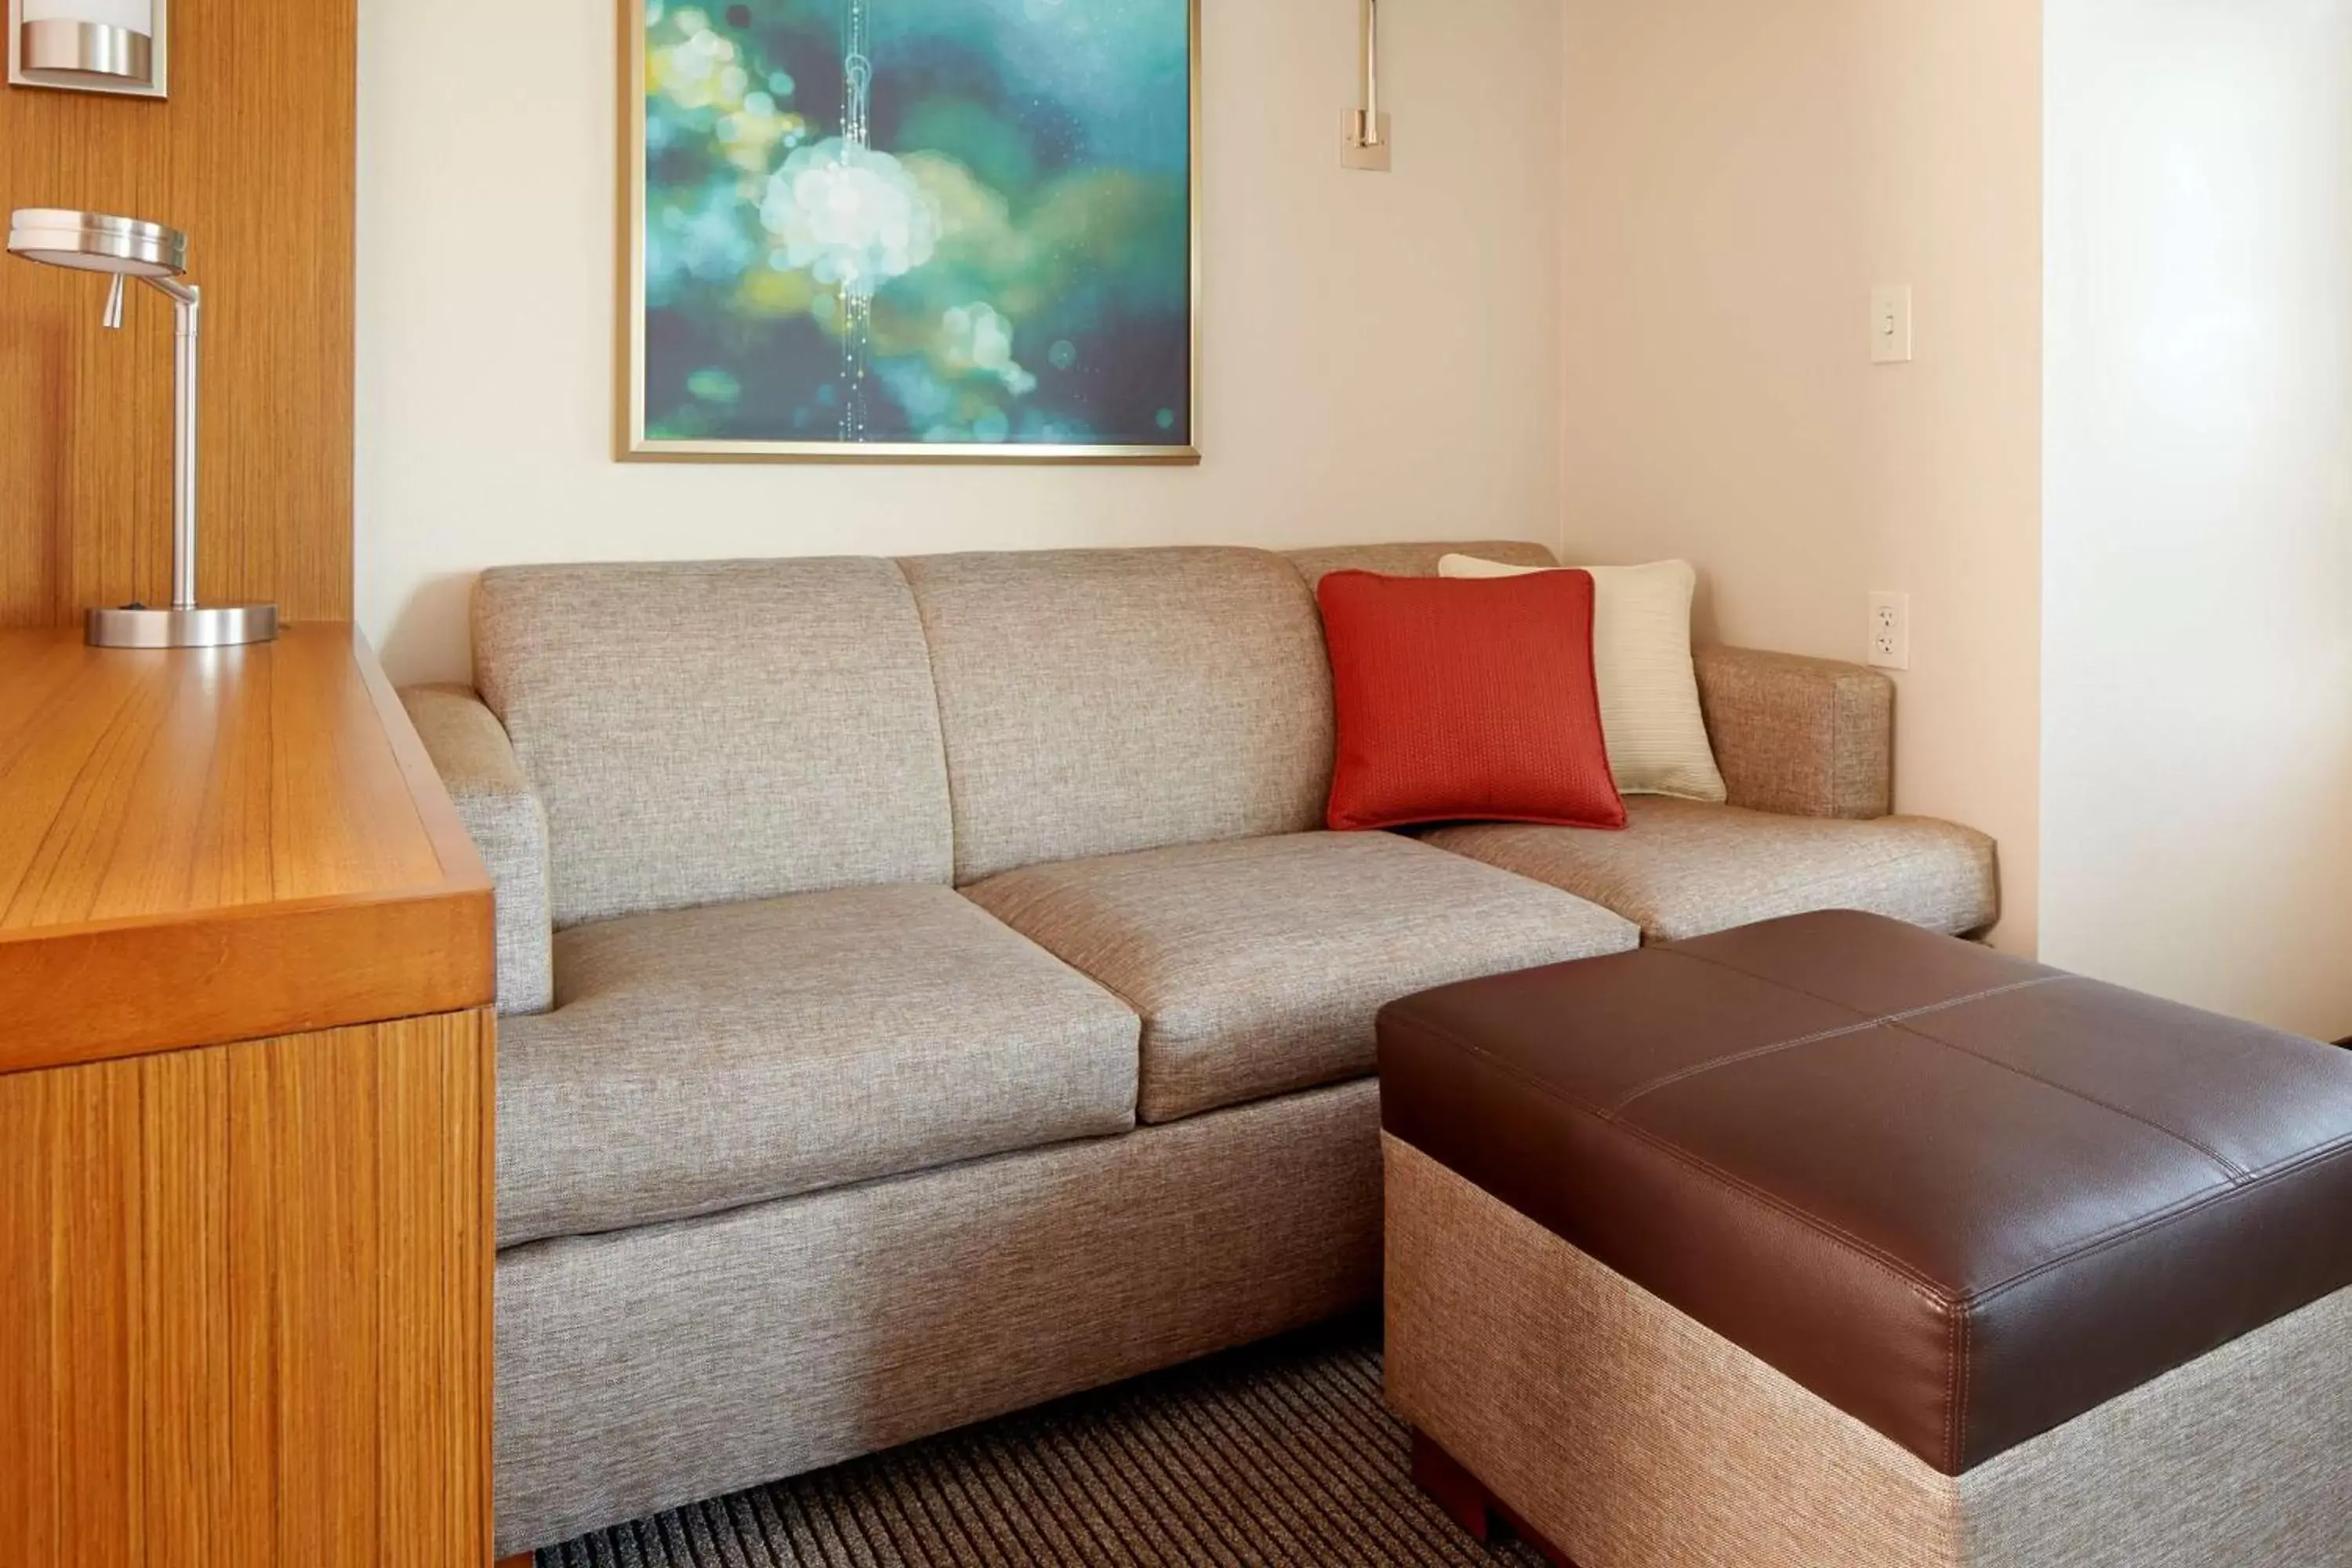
244 1302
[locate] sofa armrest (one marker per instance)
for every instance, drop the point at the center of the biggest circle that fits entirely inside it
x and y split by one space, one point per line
1801 737
470 751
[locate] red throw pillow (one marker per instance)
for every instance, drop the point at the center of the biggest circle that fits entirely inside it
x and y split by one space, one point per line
1466 701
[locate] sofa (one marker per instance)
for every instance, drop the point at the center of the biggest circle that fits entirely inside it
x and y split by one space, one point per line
927 989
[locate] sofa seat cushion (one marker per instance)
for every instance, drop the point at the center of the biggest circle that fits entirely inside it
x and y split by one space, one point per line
1683 869
1258 964
702 1059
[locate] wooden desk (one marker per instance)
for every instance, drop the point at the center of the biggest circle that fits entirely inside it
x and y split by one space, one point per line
247 1085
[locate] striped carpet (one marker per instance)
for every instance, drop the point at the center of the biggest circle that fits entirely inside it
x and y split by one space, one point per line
1278 1454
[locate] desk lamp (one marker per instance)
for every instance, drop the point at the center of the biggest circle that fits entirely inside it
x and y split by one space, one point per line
126 247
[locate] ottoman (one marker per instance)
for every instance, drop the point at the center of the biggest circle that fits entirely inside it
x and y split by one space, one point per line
1832 1241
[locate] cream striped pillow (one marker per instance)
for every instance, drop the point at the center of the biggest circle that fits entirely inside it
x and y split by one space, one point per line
1642 660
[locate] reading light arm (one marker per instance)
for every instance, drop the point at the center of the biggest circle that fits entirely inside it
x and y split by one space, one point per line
1365 140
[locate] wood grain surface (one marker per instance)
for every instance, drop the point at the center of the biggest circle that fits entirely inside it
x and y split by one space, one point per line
252 157
244 1304
205 846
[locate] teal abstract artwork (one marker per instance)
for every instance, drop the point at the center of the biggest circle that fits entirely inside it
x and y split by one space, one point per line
912 228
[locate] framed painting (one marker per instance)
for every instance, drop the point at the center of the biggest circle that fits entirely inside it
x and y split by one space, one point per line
910 229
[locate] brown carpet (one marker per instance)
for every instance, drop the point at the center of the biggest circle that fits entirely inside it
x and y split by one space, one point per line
1281 1453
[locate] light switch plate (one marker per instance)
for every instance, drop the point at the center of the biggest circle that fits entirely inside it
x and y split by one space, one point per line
1890 324
1890 631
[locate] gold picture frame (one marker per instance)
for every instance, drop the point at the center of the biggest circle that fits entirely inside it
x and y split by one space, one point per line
634 445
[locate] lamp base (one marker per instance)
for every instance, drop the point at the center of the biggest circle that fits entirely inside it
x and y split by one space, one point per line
222 626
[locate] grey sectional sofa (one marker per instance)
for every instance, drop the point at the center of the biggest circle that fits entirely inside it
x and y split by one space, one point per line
929 992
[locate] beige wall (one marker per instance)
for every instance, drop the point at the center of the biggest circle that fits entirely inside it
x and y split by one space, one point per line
2197 780
1380 353
1739 176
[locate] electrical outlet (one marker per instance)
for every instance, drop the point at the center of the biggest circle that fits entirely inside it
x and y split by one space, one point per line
1890 631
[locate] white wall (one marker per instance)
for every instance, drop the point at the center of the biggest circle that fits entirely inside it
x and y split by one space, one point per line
1739 176
2197 672
1380 354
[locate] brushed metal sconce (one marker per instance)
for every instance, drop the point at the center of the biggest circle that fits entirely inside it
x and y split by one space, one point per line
1364 134
89 46
125 248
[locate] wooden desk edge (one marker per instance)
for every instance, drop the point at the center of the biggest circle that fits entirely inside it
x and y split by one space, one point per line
102 990
132 988
461 864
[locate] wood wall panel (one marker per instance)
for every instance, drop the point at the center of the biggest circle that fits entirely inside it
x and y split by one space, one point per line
253 156
244 1304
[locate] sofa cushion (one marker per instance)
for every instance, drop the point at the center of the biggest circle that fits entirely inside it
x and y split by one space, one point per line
702 1059
1413 560
1642 662
1258 964
1099 701
700 734
1683 868
1465 699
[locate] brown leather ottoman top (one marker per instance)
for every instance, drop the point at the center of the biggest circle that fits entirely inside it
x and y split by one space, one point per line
1963 1197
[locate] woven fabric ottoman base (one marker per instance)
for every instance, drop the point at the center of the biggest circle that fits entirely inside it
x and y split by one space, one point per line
1629 1436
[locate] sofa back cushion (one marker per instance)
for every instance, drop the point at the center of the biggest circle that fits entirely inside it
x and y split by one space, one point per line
701 733
1413 560
1096 702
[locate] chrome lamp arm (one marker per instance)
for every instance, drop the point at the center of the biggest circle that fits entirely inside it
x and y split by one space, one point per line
187 309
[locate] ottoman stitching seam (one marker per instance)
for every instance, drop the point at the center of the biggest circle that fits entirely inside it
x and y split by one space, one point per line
2238 1175
1697 1068
1667 1080
1928 1290
1681 950
2187 1205
1952 1389
1960 1417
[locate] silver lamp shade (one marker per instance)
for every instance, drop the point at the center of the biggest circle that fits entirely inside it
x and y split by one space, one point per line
94 242
156 256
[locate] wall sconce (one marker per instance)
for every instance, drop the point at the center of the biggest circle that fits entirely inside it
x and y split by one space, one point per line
1364 134
89 46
